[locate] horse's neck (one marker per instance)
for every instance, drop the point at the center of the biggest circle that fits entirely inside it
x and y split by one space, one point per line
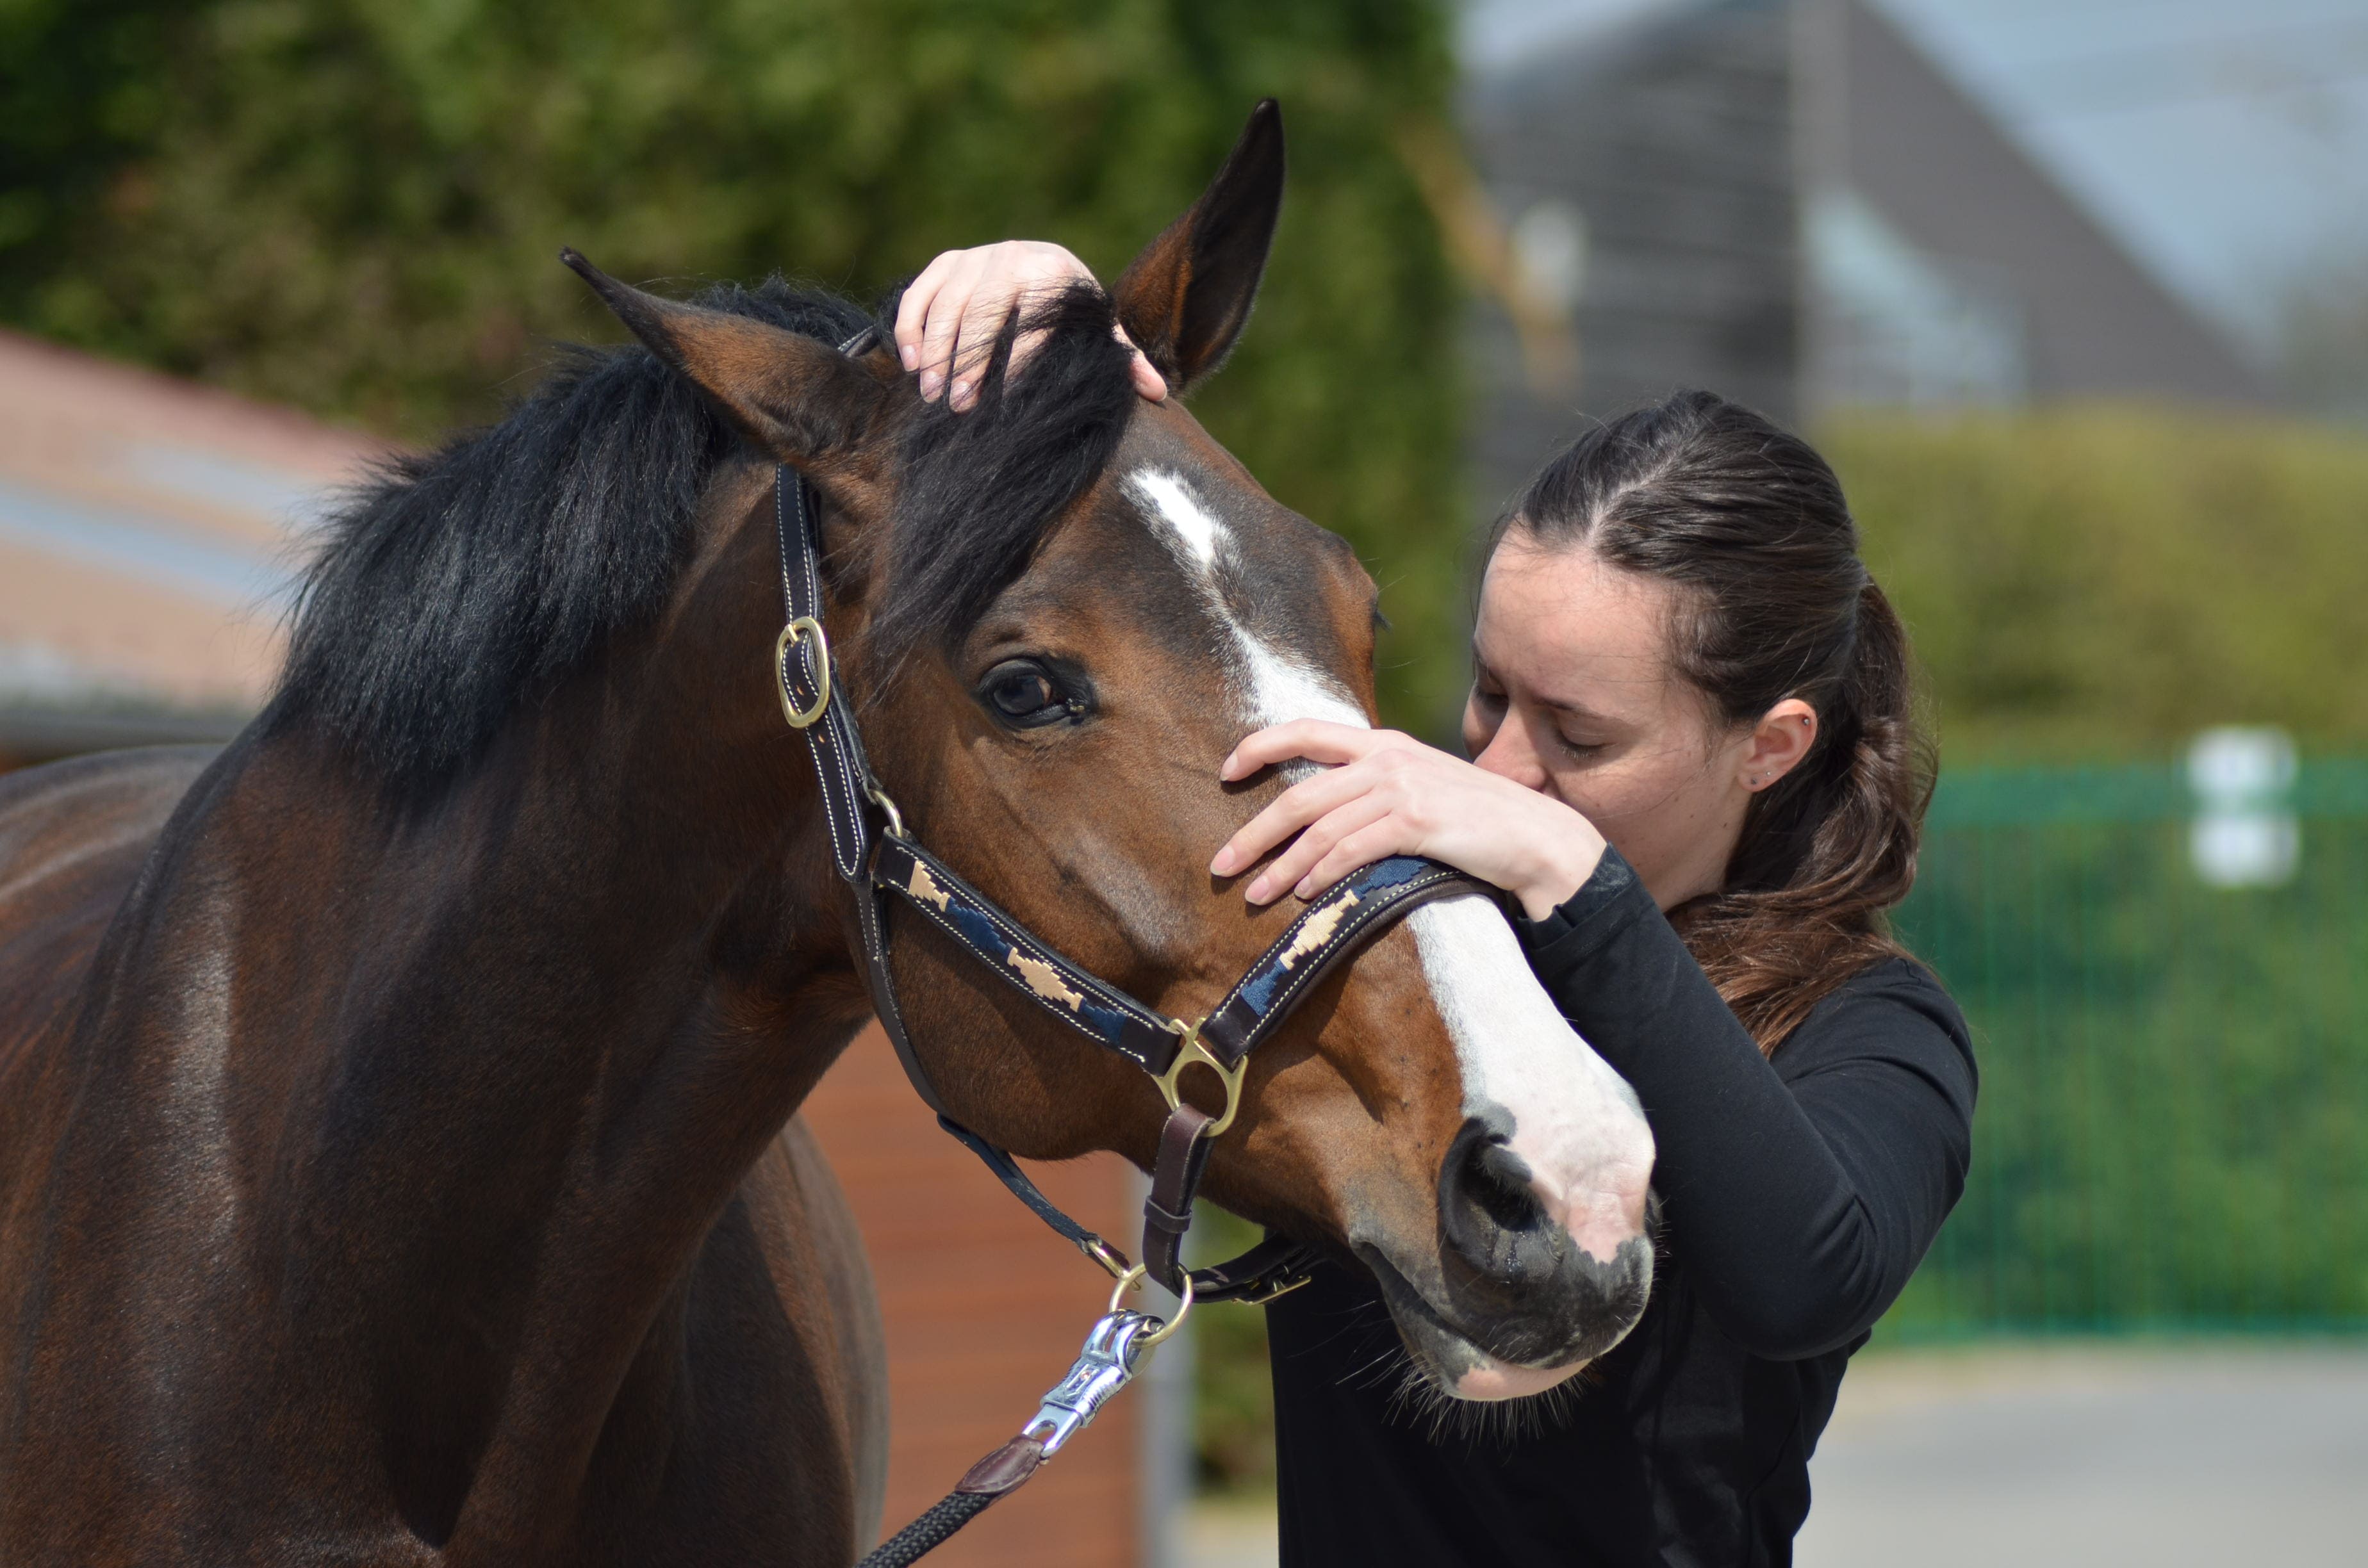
461 1093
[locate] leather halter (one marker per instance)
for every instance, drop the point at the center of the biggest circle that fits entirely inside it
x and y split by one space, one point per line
879 861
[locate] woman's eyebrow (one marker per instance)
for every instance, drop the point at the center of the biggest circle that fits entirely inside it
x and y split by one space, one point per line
1577 709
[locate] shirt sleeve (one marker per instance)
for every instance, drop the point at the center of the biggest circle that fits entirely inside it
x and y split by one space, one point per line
1797 1196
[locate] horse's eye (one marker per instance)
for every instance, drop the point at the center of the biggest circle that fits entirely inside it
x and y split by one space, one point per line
1024 694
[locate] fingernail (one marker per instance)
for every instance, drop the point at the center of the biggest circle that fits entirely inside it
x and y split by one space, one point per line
961 394
909 355
1257 891
930 381
1223 865
1307 887
1226 768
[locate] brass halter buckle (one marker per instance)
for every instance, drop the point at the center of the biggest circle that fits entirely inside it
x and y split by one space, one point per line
1272 1293
1188 1050
797 631
1109 1256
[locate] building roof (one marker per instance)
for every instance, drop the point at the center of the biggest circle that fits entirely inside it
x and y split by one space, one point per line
1788 202
148 532
1940 171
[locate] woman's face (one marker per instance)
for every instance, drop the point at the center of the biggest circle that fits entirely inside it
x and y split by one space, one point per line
1574 694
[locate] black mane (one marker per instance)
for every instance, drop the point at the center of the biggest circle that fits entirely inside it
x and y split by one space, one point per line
460 585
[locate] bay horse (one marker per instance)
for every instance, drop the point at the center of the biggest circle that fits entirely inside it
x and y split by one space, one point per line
399 1151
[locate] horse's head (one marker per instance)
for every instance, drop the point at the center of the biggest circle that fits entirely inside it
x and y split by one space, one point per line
1060 612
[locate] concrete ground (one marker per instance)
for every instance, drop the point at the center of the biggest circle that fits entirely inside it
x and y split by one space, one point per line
2167 1456
2213 1455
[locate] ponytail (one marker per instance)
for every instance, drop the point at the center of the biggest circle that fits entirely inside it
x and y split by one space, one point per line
1750 522
1826 851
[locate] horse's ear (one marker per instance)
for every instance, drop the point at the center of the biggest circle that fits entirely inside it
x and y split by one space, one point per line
1188 296
799 399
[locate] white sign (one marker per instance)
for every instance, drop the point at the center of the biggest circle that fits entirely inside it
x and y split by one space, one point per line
2245 834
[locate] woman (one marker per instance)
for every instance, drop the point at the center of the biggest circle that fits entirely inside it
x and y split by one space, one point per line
1694 767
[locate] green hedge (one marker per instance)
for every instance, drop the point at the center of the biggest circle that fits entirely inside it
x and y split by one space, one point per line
353 205
2099 582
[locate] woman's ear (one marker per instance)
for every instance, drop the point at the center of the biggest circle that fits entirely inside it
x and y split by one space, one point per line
1779 742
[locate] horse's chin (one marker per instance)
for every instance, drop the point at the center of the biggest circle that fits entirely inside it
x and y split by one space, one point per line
1490 1380
1449 1359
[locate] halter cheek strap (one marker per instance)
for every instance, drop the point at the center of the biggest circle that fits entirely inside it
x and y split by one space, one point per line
882 863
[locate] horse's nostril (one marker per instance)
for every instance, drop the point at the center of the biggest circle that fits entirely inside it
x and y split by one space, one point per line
1487 1209
1497 1181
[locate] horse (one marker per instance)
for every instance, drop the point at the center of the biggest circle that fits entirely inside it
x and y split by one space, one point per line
400 1156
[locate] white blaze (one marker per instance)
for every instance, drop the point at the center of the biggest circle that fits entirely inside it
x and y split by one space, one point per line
1576 1122
1194 528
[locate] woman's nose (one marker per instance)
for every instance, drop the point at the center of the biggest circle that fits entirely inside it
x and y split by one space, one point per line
1510 754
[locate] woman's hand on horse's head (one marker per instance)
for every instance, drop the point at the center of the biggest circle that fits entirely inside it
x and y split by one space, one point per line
951 313
1383 793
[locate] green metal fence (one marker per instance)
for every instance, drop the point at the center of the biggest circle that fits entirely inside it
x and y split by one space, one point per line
2173 1129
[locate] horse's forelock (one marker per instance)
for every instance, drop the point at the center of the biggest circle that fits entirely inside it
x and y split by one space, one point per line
977 490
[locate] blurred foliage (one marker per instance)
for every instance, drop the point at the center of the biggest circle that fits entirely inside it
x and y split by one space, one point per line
1233 1425
353 205
2098 581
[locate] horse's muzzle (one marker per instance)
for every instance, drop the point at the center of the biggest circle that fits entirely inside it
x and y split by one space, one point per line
1523 1297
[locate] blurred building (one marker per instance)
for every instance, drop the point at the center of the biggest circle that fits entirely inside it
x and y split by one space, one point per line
1788 202
147 537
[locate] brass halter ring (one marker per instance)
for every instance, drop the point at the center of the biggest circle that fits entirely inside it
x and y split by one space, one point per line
1133 1279
797 631
1188 1050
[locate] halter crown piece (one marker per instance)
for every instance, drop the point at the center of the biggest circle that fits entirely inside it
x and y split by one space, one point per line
884 865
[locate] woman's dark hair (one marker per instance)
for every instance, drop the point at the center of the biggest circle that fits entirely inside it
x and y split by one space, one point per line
1748 521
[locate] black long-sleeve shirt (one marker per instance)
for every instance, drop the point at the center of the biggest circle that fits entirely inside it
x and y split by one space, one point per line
1796 1198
